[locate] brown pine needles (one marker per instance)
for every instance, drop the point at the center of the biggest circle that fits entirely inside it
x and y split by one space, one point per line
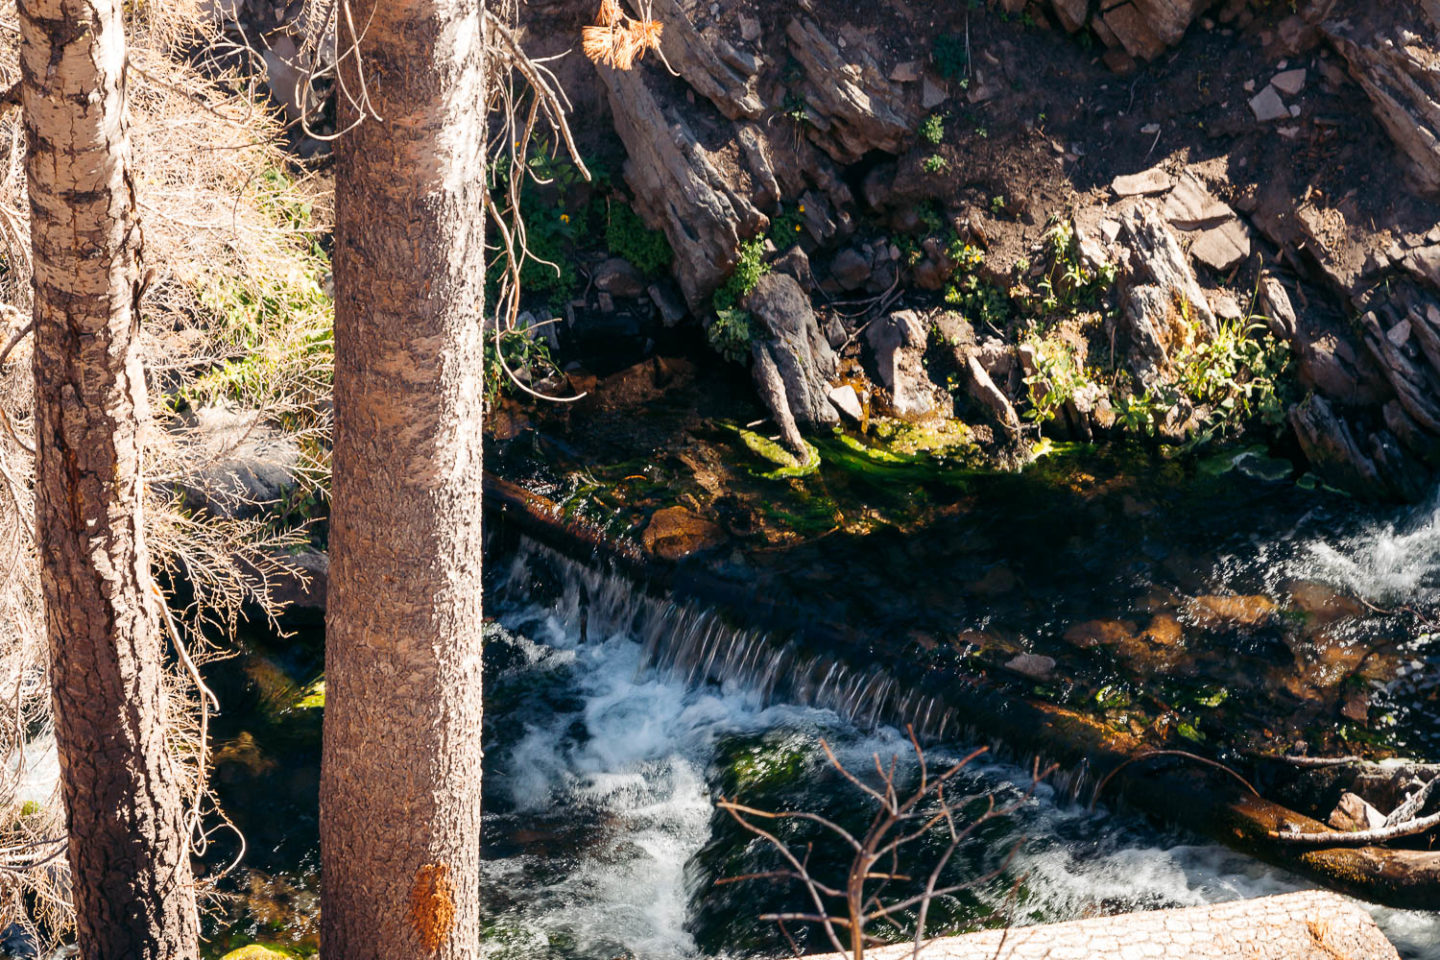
617 39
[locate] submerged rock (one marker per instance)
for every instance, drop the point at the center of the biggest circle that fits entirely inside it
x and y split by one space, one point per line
674 533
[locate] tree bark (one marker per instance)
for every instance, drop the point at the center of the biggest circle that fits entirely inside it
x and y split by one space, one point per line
128 849
400 779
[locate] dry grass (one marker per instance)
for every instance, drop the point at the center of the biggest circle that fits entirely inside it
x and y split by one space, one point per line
224 226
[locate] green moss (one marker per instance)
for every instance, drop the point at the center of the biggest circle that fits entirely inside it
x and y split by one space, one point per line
788 465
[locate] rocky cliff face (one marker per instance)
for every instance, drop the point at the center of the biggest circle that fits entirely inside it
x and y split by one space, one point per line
788 116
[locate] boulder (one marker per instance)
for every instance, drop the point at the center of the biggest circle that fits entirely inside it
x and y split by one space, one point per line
1331 447
247 465
992 398
1222 248
618 278
1153 256
851 268
853 107
1273 303
674 533
789 336
898 342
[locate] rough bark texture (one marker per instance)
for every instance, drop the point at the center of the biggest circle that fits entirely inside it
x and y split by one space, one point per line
1298 926
400 781
128 850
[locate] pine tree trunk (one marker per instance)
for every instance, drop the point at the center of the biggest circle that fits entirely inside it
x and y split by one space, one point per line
400 778
129 854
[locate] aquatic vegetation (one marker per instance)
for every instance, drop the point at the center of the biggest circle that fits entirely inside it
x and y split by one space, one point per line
786 464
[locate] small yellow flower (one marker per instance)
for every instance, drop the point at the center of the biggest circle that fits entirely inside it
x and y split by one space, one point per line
564 218
802 208
797 228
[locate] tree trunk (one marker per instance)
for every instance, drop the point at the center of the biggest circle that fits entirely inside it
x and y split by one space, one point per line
400 777
129 853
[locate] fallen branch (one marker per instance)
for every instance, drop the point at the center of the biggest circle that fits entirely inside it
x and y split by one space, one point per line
1360 838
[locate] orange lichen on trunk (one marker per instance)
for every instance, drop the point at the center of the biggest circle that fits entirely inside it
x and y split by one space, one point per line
432 905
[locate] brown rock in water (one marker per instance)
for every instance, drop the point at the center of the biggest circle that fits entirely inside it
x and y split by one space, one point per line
1352 813
1216 612
1165 630
1321 603
674 533
1096 633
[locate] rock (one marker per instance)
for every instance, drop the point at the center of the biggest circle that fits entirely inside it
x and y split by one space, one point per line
618 278
749 29
1222 248
856 109
1154 256
1096 633
1145 183
1146 27
1353 814
1191 207
1329 444
1321 604
295 582
1033 665
1267 105
1273 303
847 401
850 268
770 387
1356 707
984 390
707 73
255 951
795 263
1219 612
907 72
674 533
790 335
668 301
247 465
932 94
678 187
1289 82
1071 13
898 342
1165 630
1392 49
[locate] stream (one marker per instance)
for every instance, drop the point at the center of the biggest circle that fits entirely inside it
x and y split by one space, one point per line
614 719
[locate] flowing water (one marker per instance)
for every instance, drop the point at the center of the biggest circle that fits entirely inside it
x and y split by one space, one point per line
601 835
615 719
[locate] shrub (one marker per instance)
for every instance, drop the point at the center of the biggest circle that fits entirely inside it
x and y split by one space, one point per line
627 236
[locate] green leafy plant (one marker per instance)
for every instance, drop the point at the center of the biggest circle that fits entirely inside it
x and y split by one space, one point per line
750 266
1058 378
1236 374
932 129
731 331
526 356
935 163
627 236
730 334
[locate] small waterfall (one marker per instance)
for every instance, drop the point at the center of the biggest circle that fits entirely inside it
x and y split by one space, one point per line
697 646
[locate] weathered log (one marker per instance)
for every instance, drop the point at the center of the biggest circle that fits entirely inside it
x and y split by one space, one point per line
1312 925
1171 790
